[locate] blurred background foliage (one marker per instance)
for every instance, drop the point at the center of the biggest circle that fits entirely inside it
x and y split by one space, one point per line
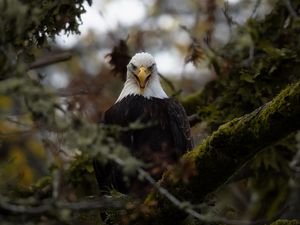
220 59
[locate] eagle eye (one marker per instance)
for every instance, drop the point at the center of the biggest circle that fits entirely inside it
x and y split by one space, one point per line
134 67
151 67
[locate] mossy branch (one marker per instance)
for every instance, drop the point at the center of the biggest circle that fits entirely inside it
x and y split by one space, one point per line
286 222
228 148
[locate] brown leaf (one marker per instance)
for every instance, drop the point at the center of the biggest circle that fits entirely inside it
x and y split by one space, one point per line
119 58
195 54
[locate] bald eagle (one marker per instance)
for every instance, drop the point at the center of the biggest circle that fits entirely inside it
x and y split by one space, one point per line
160 144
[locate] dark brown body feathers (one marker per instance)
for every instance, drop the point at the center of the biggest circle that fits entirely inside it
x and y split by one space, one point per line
165 137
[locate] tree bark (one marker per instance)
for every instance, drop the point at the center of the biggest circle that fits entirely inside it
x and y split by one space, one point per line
227 149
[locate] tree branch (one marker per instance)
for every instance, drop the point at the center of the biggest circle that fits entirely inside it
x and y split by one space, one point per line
227 149
99 203
50 59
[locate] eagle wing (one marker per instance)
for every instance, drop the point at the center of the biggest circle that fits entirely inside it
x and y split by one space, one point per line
110 175
179 125
174 124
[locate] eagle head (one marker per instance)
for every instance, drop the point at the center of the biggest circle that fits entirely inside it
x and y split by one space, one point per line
142 78
142 68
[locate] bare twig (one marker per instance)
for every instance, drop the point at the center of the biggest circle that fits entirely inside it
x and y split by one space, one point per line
184 205
290 8
100 203
257 4
16 122
190 209
50 59
228 17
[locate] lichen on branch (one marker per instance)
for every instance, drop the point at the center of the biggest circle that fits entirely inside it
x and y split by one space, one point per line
228 148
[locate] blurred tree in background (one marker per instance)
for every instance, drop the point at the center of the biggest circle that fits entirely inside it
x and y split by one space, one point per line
240 69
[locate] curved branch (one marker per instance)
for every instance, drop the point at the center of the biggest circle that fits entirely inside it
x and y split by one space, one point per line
228 148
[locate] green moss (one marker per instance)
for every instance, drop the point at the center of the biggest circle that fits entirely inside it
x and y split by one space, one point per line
233 144
286 222
81 172
250 81
43 182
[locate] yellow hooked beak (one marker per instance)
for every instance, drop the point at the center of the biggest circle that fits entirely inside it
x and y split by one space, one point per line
143 76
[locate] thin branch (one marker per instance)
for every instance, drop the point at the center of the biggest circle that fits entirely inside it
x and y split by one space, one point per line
16 122
185 206
290 8
99 203
189 208
229 19
257 4
50 59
